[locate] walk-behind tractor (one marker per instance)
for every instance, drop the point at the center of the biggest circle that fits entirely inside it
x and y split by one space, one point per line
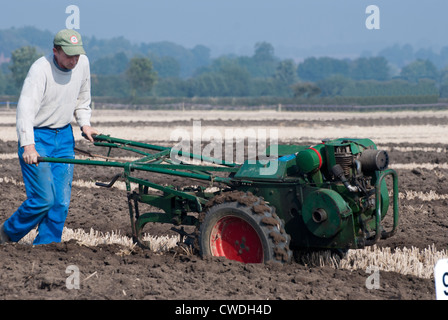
331 196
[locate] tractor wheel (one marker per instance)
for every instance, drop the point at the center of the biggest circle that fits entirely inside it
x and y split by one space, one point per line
242 227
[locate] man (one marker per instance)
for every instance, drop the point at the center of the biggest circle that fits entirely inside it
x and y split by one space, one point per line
56 88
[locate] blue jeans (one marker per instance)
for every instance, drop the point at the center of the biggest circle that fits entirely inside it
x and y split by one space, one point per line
48 188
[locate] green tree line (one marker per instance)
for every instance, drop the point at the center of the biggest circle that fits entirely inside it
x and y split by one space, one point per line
168 70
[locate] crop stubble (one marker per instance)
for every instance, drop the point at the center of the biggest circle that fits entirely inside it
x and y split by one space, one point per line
416 146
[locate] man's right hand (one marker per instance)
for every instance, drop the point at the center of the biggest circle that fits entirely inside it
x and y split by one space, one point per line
30 154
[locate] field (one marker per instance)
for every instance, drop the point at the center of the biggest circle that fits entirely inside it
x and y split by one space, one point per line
97 241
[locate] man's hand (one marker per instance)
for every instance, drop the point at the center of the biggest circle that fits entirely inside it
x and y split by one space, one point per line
88 131
30 154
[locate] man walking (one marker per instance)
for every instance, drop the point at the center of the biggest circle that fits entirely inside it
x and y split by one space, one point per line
56 88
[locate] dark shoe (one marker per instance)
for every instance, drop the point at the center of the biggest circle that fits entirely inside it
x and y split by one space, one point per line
3 236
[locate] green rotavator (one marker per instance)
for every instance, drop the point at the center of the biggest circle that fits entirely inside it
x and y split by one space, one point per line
332 195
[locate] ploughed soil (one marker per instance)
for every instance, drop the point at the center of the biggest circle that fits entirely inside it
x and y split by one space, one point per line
40 272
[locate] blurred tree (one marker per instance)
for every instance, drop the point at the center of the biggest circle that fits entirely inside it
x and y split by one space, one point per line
428 54
263 63
141 75
174 87
166 67
229 80
210 84
443 58
444 83
109 65
305 89
201 56
315 69
420 69
398 55
114 85
218 64
444 76
373 68
3 82
99 48
262 87
189 60
237 80
264 52
13 38
334 85
21 61
286 72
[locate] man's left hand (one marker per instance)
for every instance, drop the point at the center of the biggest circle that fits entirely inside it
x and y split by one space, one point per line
89 131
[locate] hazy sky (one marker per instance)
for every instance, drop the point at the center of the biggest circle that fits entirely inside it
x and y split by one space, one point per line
293 27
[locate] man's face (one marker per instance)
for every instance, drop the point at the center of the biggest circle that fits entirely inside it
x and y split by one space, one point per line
65 61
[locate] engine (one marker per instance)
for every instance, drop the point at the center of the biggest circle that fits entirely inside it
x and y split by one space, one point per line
331 195
344 178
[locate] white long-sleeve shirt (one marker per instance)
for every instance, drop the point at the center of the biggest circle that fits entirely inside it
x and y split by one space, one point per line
50 97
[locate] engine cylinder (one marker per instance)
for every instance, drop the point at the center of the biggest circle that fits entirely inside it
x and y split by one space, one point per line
374 160
344 158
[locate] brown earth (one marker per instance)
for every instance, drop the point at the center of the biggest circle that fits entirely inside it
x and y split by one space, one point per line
39 272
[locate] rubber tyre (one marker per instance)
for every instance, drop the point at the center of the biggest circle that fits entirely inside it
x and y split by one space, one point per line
245 230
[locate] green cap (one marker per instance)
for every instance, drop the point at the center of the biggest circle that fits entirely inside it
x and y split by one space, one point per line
70 41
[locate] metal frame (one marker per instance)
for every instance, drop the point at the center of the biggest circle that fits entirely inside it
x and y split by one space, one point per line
179 205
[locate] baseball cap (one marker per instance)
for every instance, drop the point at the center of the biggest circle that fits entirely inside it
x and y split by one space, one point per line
70 41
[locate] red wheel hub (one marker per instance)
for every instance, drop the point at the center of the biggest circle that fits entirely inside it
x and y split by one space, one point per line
235 239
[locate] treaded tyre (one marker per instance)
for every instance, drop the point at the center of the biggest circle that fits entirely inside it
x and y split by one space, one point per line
243 227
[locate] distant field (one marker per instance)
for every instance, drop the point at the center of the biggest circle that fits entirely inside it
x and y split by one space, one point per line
131 125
